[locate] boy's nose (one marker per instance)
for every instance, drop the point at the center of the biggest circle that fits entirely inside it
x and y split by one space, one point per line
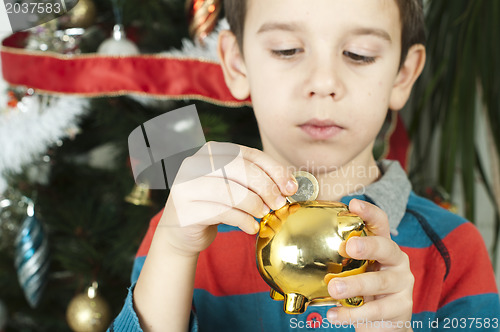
324 81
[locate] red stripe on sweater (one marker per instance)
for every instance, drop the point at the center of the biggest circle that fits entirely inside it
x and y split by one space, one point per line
223 268
428 268
466 279
146 241
228 266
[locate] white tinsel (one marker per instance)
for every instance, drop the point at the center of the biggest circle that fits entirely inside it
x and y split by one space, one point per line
26 134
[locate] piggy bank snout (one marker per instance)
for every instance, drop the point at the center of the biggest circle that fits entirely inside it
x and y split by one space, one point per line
301 247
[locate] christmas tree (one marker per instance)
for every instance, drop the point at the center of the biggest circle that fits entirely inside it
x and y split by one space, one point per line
76 173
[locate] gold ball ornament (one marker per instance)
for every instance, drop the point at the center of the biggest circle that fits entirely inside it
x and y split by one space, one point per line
88 312
81 16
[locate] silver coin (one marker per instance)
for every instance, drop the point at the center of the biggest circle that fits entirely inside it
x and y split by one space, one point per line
308 187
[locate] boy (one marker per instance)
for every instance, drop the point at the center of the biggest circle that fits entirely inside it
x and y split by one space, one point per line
322 75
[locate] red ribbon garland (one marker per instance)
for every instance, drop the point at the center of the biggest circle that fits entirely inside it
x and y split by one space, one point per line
94 75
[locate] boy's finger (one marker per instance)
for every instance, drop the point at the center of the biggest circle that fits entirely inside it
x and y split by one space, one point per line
383 309
375 219
376 248
244 172
251 176
382 282
277 172
235 218
219 155
220 196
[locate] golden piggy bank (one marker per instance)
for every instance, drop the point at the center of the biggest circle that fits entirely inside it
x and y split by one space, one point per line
301 247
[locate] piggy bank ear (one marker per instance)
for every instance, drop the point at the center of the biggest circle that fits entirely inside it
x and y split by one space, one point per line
349 225
21 19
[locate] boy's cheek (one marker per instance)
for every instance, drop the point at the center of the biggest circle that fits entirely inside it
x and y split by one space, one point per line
271 100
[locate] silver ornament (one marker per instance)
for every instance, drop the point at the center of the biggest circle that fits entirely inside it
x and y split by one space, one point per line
118 44
32 257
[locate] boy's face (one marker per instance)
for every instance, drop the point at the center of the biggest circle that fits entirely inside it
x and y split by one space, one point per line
322 75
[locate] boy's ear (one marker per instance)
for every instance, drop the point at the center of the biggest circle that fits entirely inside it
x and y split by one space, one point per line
407 75
233 65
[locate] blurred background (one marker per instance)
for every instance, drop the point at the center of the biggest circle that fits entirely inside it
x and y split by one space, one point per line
71 216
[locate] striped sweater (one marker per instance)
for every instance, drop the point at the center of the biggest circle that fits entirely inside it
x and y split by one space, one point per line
454 281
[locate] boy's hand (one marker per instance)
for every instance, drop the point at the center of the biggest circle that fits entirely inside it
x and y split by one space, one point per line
388 286
222 183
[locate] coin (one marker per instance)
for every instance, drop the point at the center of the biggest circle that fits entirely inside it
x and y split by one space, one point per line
308 187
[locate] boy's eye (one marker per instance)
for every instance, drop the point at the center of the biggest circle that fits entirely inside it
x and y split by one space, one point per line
359 58
285 53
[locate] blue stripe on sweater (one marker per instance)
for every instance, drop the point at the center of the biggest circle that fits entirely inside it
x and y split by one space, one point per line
254 312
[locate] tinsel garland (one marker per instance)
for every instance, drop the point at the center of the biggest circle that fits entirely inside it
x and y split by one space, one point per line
29 129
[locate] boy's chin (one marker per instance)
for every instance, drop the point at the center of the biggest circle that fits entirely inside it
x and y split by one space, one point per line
318 159
316 164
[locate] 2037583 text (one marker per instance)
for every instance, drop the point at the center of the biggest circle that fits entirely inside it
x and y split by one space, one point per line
33 8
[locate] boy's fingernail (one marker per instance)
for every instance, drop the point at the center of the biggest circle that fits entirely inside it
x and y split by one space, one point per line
266 209
340 286
280 202
291 186
332 315
358 244
361 204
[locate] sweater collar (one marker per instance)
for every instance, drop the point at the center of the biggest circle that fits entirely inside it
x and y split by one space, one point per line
390 193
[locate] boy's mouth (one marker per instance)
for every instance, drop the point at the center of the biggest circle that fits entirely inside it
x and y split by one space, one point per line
321 129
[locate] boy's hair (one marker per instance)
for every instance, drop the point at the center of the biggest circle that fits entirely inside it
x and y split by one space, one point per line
411 14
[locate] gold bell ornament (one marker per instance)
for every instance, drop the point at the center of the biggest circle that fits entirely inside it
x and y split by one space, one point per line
301 247
140 195
88 312
81 16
